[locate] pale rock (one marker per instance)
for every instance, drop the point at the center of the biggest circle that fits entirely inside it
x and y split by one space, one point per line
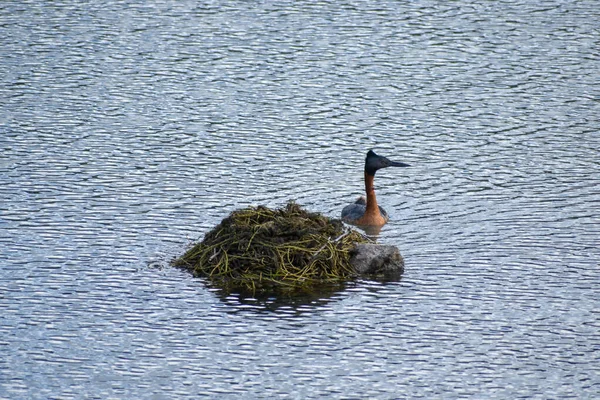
377 259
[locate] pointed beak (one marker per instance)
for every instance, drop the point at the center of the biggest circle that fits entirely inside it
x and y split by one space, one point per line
398 164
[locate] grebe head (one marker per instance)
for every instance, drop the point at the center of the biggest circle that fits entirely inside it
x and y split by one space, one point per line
373 162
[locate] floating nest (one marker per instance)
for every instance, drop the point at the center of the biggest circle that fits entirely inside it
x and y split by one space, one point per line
288 249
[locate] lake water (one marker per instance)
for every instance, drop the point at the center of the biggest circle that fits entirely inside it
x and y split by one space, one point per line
128 130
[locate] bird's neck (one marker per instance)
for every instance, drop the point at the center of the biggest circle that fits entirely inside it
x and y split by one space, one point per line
372 216
372 206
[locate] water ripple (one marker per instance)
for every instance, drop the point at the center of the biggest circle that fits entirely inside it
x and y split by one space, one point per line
129 130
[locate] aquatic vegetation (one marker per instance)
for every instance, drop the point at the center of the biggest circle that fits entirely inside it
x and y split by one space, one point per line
287 249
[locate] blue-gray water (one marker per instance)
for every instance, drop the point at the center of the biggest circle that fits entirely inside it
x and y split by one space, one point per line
127 130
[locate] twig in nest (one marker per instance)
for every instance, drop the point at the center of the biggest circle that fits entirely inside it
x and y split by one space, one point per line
330 241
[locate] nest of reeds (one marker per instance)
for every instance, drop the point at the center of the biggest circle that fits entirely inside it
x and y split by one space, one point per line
287 249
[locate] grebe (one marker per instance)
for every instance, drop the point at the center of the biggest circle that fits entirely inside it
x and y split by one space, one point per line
366 212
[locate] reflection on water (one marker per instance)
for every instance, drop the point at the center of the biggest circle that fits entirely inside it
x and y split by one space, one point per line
371 231
266 302
127 131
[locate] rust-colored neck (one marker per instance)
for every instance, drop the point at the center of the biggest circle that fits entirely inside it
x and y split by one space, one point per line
372 215
372 206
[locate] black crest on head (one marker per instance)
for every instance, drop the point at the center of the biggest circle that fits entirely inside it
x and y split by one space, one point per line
372 163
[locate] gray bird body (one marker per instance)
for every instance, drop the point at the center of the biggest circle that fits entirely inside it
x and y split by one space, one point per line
353 212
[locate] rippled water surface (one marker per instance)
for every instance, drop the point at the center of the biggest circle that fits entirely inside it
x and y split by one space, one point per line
128 130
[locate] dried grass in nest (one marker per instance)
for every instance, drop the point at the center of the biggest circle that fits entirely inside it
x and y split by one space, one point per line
286 249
